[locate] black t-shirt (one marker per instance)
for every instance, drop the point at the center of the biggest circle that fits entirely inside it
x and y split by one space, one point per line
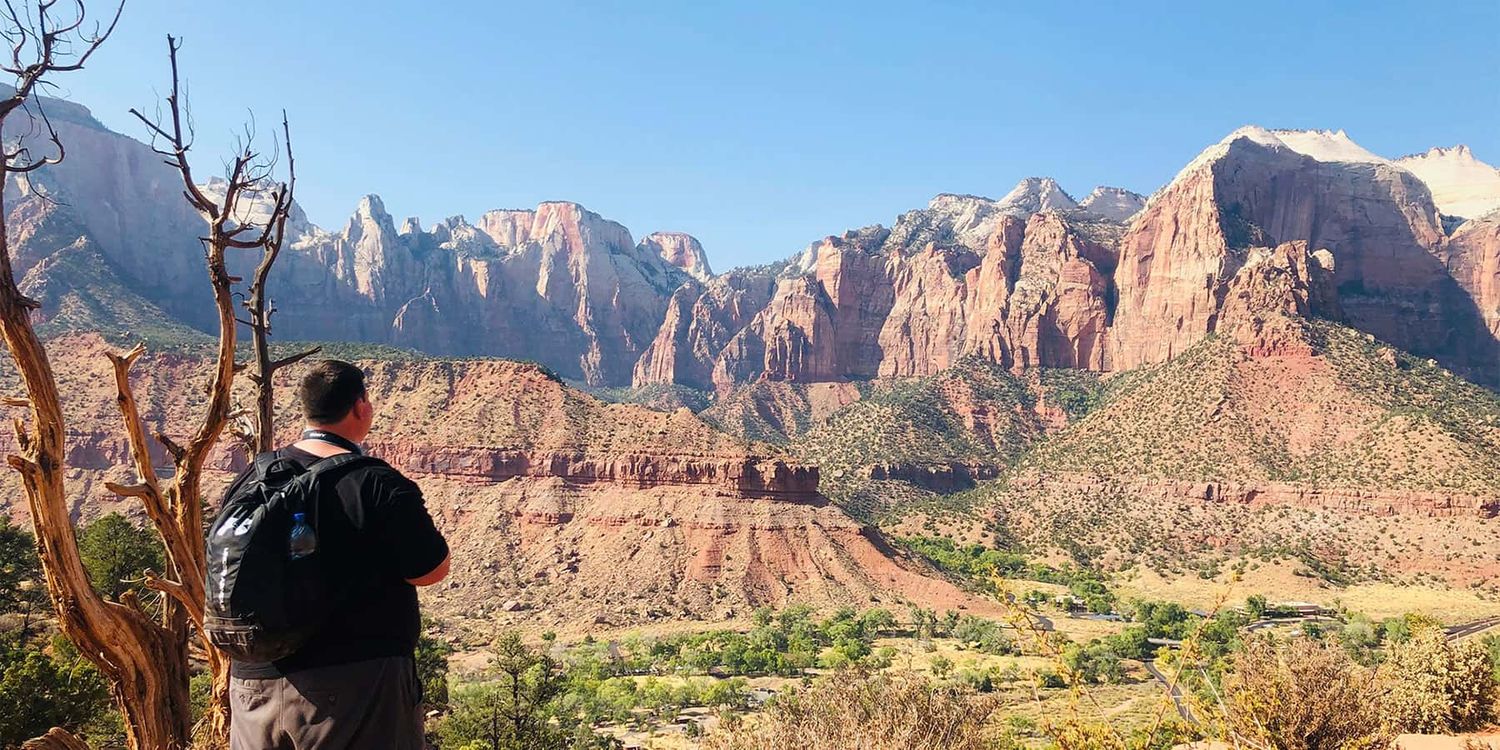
374 533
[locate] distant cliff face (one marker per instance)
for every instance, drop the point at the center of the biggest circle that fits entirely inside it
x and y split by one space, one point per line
965 275
557 284
1034 279
1378 222
1474 262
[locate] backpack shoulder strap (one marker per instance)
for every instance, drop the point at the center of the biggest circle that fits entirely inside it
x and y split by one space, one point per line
262 463
316 479
259 468
335 466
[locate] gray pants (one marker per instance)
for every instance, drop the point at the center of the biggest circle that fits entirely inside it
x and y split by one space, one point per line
358 706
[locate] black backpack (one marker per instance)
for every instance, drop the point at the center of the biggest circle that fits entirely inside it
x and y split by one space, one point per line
261 604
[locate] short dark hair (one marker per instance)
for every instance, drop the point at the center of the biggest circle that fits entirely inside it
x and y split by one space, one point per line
329 391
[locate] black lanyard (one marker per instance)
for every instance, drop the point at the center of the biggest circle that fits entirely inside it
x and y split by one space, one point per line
333 439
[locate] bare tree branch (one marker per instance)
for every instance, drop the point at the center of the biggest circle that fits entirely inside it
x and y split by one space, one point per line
260 310
295 358
142 659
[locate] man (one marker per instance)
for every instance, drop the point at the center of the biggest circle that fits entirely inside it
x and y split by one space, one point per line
352 685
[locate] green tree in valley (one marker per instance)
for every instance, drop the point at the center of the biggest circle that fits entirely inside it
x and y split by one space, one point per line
116 553
41 686
1256 606
41 689
1492 647
515 706
22 590
432 669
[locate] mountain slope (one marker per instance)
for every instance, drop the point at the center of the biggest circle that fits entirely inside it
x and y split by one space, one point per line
1354 460
909 438
581 511
778 412
1349 414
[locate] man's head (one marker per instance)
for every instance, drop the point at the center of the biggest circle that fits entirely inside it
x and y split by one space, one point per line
334 398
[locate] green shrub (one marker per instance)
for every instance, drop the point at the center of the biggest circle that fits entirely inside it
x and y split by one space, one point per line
116 553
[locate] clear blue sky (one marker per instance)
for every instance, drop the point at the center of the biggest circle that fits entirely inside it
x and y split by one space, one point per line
763 127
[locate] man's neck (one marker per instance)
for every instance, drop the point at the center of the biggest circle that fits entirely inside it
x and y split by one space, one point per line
323 448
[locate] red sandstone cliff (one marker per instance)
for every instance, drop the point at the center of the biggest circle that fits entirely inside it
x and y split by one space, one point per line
1474 262
1376 219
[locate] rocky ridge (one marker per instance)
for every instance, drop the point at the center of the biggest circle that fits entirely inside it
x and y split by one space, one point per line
1034 279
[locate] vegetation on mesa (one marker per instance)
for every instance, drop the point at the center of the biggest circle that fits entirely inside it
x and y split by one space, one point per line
926 421
931 433
1358 415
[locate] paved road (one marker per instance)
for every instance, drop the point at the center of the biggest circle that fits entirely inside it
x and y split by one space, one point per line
1455 632
1476 627
1173 690
1273 622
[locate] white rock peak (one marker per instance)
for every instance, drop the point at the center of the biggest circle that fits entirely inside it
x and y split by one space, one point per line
1461 185
1115 204
1035 194
1326 145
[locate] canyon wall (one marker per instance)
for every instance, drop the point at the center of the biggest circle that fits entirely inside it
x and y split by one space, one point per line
1034 279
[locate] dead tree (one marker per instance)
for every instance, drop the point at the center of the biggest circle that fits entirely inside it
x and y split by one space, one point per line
260 435
143 658
232 225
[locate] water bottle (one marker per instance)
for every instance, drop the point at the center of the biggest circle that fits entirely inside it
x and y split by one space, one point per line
303 541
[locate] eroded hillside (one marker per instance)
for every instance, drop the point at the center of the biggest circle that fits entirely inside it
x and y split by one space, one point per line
561 509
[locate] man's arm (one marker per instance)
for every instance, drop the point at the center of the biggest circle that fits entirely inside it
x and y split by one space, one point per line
406 530
437 574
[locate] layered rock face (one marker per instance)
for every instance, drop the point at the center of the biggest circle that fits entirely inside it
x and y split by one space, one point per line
698 324
1038 280
1272 293
117 193
682 251
557 284
1283 494
1034 279
965 275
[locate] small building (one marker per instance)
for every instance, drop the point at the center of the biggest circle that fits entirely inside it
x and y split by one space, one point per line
1301 609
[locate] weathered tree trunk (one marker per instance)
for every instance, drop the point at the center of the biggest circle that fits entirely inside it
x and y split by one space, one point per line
145 660
146 663
227 230
55 739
